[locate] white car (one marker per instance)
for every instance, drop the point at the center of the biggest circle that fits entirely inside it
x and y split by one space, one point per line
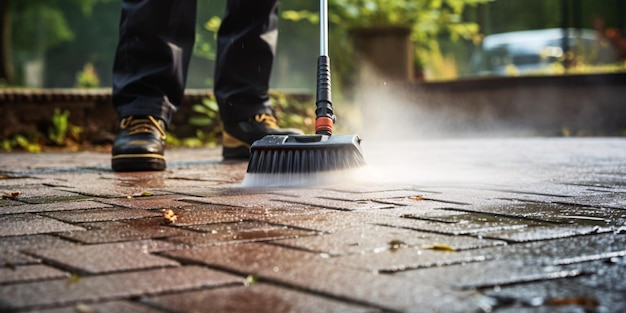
537 51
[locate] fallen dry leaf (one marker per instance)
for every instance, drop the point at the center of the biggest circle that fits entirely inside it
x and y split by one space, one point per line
417 198
395 245
73 279
83 308
169 216
12 195
440 247
580 301
250 280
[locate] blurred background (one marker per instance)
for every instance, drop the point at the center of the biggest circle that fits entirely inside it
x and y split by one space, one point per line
70 43
466 58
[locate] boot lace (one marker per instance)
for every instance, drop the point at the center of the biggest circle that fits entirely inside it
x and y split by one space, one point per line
267 119
142 125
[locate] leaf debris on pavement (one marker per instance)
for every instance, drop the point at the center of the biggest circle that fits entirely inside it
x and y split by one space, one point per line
169 216
440 247
250 280
395 245
11 196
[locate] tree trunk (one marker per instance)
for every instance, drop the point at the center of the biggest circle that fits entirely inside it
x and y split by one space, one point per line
6 64
386 50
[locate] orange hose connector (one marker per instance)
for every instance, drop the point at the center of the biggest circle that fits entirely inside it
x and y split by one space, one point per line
324 125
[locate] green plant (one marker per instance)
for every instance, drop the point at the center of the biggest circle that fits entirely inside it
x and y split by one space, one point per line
57 132
208 117
205 42
205 38
427 19
62 130
87 78
290 112
21 142
374 13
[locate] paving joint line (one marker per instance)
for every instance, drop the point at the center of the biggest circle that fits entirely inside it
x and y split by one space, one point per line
280 283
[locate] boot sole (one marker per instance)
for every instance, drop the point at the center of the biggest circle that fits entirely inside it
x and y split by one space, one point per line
136 164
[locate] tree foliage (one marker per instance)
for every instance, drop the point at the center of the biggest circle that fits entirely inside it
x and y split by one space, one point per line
35 27
72 33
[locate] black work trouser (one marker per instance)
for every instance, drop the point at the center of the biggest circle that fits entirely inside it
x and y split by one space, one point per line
156 39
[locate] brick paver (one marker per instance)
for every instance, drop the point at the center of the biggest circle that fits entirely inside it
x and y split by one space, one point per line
111 286
493 225
29 224
103 258
255 298
53 206
18 274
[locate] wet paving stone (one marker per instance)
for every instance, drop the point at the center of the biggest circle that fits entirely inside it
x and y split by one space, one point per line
98 215
471 275
29 224
547 191
16 182
202 213
125 230
242 201
110 287
322 220
372 238
341 205
255 298
7 179
357 195
55 206
523 263
37 272
451 222
23 162
4 203
402 258
195 214
609 200
457 196
12 258
37 194
312 273
116 185
425 202
535 233
561 295
113 306
241 231
506 225
562 251
608 183
105 258
557 213
11 247
148 203
369 187
603 275
218 191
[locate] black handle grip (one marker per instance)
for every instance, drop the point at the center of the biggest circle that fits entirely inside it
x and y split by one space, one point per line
323 102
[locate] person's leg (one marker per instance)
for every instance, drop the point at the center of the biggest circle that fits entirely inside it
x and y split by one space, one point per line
156 39
246 48
155 45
